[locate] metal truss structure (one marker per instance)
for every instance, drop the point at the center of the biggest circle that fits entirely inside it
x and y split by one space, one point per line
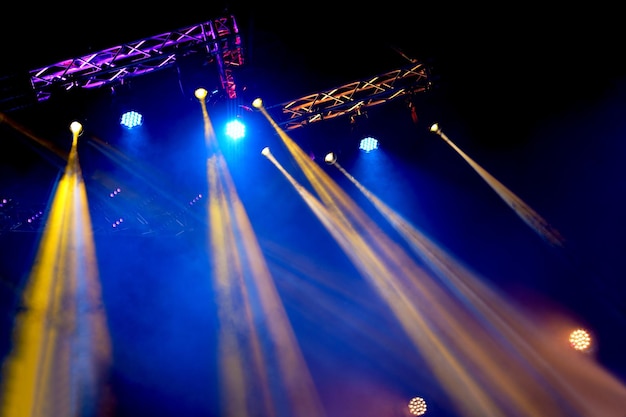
218 38
352 97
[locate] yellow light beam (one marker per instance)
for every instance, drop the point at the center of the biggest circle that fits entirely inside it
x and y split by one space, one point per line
398 297
267 374
60 154
543 353
353 239
59 362
523 210
461 346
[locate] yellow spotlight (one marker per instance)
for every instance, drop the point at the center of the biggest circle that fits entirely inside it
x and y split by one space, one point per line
580 340
201 93
266 151
417 406
330 158
435 128
76 128
257 103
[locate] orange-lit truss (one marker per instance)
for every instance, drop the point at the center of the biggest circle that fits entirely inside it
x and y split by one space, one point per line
352 97
218 38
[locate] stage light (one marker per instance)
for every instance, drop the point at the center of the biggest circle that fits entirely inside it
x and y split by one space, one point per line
257 103
196 199
330 158
417 406
580 340
34 217
125 98
360 127
368 144
117 224
201 93
235 129
265 151
115 192
131 119
76 128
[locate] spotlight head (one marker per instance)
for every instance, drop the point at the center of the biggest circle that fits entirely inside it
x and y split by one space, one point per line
76 128
257 103
435 128
201 93
265 151
330 158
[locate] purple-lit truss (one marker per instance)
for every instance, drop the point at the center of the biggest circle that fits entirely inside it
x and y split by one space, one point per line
218 37
352 97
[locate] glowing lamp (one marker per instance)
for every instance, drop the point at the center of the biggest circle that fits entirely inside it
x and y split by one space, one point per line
580 340
131 119
201 93
417 406
368 144
76 128
330 158
257 103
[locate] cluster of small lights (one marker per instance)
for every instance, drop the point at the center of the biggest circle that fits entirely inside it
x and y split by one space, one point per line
4 202
131 119
417 406
235 129
34 217
368 144
117 223
580 340
115 192
195 199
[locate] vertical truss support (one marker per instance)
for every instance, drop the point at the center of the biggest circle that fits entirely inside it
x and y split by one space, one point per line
229 54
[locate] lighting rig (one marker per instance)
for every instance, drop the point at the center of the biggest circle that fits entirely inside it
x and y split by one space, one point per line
220 39
353 97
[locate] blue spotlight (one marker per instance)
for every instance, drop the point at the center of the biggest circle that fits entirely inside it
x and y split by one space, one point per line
368 144
131 119
235 129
